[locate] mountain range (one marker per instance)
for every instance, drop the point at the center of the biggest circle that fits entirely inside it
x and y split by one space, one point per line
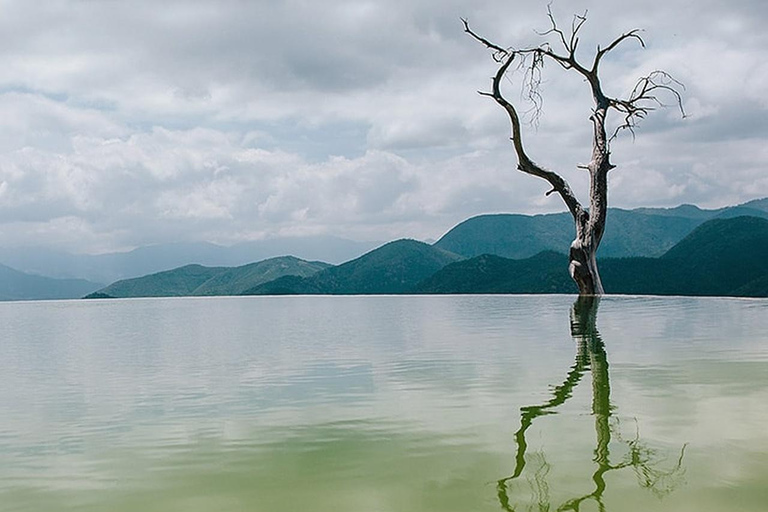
198 280
722 257
110 267
646 232
15 285
648 250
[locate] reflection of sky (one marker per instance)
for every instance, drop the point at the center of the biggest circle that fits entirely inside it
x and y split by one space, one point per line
101 395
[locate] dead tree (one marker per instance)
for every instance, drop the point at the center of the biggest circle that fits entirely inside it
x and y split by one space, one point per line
644 98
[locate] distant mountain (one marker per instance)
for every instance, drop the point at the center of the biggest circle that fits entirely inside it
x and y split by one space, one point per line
509 235
757 204
15 285
727 257
393 268
107 268
641 232
689 211
722 256
755 208
179 282
646 232
192 280
236 281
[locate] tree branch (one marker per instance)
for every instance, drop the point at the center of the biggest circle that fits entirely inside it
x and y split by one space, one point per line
570 42
644 99
525 164
632 34
498 52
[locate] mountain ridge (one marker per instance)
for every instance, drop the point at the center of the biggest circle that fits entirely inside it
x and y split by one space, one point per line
722 257
197 280
395 267
399 266
646 232
17 285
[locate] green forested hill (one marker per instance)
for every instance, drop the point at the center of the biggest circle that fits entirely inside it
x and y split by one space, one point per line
178 282
235 281
509 235
726 257
199 280
722 256
547 272
648 232
395 267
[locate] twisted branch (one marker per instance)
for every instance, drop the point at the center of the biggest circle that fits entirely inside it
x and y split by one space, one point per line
644 99
525 163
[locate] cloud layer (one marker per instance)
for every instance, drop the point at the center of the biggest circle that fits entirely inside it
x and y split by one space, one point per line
132 123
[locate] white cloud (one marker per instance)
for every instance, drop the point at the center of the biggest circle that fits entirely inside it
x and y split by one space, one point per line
126 124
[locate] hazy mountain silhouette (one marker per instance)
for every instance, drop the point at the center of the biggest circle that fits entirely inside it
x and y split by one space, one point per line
110 267
15 285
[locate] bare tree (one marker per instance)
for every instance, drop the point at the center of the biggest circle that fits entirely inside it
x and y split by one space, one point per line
644 98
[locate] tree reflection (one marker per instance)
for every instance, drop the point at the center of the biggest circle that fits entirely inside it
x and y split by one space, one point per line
590 356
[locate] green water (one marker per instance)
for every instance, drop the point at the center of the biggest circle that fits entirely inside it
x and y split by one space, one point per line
384 404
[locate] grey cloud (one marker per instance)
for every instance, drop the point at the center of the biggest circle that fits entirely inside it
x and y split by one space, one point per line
133 122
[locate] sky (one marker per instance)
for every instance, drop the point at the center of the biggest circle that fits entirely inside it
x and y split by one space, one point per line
131 123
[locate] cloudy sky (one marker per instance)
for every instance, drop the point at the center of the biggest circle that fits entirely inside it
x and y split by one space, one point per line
129 123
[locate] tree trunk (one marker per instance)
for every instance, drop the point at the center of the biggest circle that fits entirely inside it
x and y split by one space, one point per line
583 251
583 268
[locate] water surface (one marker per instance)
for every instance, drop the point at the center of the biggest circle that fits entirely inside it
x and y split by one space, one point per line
384 404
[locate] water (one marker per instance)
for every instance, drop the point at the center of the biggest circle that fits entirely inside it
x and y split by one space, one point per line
384 404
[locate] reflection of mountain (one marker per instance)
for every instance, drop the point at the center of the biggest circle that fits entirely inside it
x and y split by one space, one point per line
590 357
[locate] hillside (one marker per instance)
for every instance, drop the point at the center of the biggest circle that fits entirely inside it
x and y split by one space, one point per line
393 268
509 235
722 256
643 232
547 272
627 233
192 280
237 280
726 257
15 285
178 282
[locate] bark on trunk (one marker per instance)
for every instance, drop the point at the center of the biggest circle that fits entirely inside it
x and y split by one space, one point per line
583 268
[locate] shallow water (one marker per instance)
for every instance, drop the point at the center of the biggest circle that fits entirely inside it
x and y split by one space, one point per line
384 404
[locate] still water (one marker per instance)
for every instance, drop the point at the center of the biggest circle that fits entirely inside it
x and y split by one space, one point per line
468 403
